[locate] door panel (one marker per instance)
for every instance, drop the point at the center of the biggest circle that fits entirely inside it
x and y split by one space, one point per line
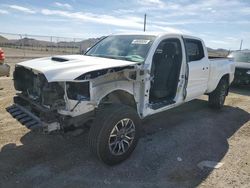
198 68
198 78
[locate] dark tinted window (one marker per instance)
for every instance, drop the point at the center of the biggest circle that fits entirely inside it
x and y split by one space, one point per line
194 49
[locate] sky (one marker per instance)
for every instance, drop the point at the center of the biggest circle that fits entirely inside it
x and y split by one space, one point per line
220 23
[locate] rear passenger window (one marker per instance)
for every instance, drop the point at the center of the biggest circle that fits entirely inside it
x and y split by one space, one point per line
194 49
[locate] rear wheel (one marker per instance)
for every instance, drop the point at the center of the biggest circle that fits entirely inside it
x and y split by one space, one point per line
114 133
217 98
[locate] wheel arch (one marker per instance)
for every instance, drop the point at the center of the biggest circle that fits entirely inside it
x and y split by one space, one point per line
226 77
119 96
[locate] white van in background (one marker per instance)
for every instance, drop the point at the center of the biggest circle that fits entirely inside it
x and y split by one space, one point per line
242 66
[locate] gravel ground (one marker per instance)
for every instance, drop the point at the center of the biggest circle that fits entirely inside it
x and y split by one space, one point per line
171 146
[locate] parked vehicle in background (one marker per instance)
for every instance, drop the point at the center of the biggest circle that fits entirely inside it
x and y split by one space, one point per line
119 81
4 68
242 66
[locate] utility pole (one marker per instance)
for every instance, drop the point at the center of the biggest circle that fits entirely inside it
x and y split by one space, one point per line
145 20
241 44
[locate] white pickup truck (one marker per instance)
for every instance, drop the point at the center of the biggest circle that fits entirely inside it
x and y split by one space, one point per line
119 81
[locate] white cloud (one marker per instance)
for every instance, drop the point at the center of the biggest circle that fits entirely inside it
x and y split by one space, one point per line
218 42
232 38
63 5
3 11
158 28
130 22
123 11
22 9
200 10
157 3
245 10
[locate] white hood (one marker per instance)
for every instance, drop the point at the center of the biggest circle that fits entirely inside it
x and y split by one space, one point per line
75 66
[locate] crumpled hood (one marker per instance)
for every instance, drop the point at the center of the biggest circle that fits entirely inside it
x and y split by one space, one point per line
71 66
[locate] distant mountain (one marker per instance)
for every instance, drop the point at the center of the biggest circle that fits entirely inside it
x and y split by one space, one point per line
217 50
220 52
3 40
83 45
31 42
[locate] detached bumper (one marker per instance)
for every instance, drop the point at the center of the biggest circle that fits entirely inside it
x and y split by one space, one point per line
25 117
36 117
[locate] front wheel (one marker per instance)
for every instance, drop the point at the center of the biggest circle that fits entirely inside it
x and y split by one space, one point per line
114 133
217 98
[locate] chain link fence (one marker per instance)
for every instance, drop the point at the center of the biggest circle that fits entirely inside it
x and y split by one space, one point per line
27 45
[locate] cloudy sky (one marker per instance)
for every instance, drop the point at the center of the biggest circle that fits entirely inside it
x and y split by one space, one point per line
221 23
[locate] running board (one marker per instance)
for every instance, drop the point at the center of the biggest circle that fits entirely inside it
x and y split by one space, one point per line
161 104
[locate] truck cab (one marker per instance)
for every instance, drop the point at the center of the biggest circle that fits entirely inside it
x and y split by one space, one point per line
180 71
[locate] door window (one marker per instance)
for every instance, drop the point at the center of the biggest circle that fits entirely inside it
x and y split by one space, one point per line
194 49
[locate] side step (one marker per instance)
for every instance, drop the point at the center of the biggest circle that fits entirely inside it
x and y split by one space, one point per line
161 104
25 117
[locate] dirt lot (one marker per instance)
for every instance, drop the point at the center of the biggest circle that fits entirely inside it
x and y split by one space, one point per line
172 145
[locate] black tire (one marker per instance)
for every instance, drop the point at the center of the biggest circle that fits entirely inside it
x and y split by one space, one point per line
107 117
217 98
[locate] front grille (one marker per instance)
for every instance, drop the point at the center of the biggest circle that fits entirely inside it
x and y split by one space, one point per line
37 88
23 79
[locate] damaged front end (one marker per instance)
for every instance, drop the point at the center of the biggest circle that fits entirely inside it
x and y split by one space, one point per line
62 93
46 105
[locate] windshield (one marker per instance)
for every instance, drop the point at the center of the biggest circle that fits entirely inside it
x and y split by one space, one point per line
241 56
123 47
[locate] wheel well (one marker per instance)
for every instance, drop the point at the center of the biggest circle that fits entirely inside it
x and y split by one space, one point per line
119 97
226 77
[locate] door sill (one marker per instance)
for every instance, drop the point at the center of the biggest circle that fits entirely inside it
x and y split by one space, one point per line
161 104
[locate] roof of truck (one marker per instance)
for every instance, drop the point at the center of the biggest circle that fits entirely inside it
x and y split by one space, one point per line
158 34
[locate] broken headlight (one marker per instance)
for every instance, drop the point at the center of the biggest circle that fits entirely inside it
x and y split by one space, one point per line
78 90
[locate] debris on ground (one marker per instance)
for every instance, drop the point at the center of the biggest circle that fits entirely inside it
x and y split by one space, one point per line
209 164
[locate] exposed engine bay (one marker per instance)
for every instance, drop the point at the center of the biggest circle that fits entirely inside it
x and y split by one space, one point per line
62 104
36 87
49 95
45 99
